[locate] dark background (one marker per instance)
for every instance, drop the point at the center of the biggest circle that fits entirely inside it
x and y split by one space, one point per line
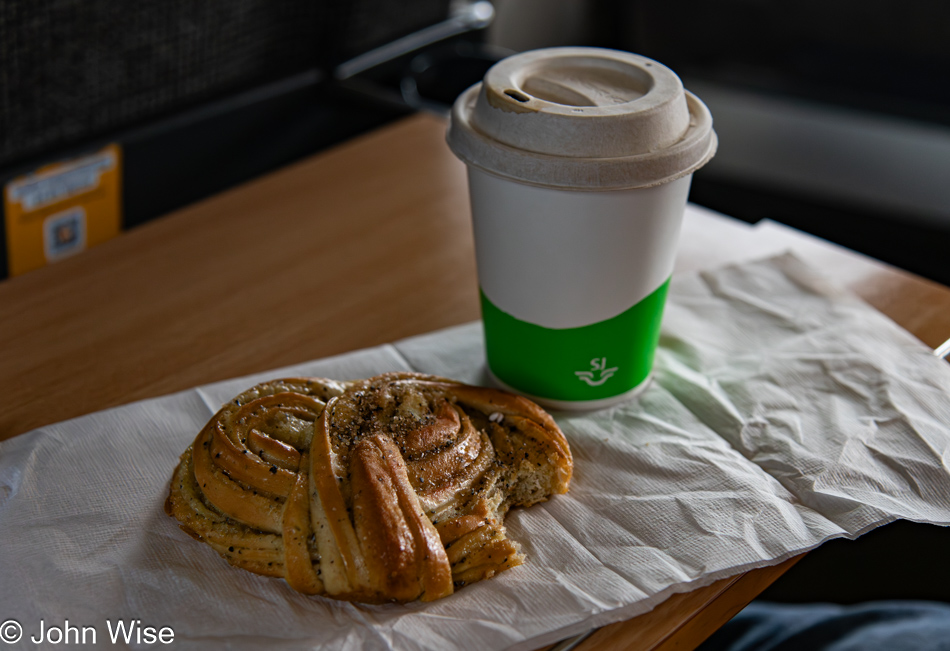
877 60
204 96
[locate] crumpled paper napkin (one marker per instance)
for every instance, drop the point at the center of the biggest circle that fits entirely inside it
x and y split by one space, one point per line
783 413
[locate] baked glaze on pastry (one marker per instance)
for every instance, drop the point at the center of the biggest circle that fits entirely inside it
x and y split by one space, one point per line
392 488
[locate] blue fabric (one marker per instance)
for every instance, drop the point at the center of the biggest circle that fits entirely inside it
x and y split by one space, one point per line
884 625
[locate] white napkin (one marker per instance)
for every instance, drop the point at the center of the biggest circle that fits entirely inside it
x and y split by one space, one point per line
784 413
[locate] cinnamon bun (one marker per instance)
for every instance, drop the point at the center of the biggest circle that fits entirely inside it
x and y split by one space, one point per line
392 488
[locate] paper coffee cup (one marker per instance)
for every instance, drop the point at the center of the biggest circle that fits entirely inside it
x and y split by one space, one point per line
579 163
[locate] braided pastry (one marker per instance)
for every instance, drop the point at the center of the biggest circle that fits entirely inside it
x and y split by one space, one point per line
387 489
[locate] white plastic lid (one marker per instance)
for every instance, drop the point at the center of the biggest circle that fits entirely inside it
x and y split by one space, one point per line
584 119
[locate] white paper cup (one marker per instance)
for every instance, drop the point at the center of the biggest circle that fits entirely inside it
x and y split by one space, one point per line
579 164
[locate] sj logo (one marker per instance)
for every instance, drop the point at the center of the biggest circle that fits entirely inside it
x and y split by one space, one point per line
598 373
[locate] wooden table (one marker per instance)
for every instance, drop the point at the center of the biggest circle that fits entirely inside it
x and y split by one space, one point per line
368 243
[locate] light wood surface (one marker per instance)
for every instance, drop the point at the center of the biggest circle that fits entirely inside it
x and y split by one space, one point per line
684 620
368 243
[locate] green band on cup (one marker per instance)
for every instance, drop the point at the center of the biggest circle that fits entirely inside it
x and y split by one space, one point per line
592 362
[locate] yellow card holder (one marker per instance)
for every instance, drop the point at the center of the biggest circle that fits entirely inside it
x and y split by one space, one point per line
62 209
